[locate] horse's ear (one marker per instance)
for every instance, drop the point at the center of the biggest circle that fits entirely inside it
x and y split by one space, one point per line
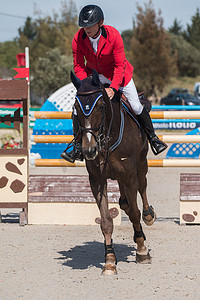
75 80
95 78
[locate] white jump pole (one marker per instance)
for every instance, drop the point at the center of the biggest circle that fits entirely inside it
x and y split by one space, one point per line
175 114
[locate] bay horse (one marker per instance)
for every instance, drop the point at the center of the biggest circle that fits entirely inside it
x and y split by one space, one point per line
114 146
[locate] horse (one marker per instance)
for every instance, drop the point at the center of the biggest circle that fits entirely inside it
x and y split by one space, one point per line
114 146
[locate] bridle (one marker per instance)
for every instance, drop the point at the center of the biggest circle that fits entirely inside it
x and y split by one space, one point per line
103 138
89 92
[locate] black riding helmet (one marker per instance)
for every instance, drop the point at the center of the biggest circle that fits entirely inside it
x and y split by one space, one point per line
90 15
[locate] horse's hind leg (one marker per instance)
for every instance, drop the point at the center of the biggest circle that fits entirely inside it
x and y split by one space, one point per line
142 254
123 202
148 214
99 189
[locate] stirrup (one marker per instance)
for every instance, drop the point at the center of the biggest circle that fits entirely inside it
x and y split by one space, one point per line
68 156
72 156
75 153
157 146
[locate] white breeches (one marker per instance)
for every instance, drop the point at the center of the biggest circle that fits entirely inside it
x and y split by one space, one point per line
129 92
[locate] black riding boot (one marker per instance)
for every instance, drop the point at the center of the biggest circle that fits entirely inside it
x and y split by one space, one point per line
76 152
157 145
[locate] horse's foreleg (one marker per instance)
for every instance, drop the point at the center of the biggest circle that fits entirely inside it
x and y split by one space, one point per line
99 189
148 214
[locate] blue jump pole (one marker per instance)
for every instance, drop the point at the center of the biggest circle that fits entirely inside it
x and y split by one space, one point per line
175 107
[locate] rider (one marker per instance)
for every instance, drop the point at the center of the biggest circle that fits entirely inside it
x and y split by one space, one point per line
100 47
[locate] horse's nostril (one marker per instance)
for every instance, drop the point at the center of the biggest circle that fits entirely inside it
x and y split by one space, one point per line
90 153
93 150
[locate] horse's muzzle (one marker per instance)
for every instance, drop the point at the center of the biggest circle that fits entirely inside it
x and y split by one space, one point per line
90 153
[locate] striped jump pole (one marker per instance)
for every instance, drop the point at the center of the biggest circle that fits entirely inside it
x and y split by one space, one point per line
175 107
151 163
167 138
57 163
175 114
51 114
174 163
68 138
153 114
51 138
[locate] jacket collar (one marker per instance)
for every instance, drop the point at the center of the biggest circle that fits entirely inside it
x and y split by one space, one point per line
102 40
103 33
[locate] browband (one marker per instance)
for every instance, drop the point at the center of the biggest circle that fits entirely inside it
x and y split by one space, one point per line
89 93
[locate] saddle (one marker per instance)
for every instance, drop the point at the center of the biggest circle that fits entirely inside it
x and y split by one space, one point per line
143 100
119 96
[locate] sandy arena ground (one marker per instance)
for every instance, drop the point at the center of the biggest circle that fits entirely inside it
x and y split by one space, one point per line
65 262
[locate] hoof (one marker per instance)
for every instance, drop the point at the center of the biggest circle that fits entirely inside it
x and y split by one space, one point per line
109 270
113 212
150 213
143 259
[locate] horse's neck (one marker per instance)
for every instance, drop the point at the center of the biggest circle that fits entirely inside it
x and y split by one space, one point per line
112 112
115 114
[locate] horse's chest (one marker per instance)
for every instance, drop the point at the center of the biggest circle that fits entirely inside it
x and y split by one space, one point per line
119 168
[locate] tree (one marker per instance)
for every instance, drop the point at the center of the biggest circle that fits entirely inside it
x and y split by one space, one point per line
152 57
8 61
49 32
42 36
188 57
176 28
28 30
51 72
127 36
192 33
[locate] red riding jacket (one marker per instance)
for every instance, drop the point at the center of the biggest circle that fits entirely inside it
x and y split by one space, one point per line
109 60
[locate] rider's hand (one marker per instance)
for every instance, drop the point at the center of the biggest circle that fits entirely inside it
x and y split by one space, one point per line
110 92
